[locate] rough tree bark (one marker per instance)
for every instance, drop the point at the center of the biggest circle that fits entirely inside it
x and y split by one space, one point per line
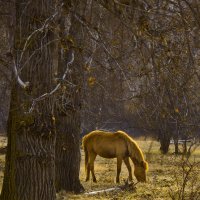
68 111
164 142
30 167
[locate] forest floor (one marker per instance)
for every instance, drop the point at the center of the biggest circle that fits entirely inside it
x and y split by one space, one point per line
165 176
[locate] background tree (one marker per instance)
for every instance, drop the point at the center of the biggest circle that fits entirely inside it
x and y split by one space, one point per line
156 66
68 103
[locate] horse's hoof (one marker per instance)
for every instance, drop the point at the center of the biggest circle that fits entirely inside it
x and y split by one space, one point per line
95 181
87 179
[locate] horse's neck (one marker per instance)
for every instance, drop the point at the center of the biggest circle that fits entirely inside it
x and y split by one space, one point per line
135 161
136 154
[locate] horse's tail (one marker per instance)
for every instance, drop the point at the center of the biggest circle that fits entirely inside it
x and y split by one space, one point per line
86 154
86 158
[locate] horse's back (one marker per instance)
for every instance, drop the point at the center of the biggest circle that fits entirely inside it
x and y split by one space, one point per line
100 135
105 144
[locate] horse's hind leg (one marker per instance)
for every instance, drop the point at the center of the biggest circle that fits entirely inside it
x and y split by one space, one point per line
92 159
127 163
88 172
119 165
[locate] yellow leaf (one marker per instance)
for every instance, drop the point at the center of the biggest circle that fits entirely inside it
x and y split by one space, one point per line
91 81
88 68
176 110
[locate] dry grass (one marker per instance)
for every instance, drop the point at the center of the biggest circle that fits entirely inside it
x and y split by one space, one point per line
3 142
160 175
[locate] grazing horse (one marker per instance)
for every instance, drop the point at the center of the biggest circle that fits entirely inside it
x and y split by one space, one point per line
114 145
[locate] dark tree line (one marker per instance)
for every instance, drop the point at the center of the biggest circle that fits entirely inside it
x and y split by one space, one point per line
151 49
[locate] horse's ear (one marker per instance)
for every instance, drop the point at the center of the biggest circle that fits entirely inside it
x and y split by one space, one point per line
145 165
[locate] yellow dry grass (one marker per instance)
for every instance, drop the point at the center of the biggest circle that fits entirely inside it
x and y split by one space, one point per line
162 170
3 143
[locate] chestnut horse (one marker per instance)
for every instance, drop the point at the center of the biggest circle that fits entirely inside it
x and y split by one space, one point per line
114 145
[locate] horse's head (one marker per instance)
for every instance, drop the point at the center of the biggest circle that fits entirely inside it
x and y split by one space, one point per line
140 171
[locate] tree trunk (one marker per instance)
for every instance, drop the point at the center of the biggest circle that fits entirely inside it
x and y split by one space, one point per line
30 167
185 151
164 142
176 147
68 115
29 172
68 153
176 144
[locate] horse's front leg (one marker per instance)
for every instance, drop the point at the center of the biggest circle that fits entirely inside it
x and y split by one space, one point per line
119 165
127 163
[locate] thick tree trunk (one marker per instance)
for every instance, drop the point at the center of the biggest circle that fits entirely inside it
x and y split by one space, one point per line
68 115
30 167
68 139
68 153
29 172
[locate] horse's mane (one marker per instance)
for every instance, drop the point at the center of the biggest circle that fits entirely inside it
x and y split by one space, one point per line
133 148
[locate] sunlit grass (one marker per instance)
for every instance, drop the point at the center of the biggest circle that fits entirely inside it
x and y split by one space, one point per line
160 175
3 142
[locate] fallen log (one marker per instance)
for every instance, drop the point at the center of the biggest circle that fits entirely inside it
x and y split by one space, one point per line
126 186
